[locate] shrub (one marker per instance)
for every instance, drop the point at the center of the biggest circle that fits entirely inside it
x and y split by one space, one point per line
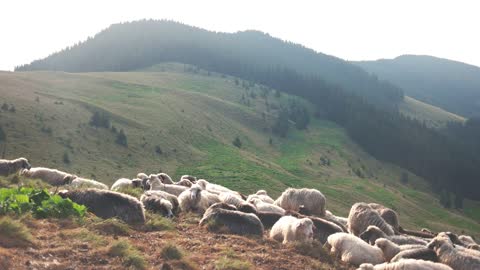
158 223
100 119
66 158
5 107
130 255
121 138
158 150
404 178
112 226
171 252
237 143
14 234
3 135
12 109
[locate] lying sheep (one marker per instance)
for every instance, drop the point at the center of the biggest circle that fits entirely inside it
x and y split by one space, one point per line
184 182
142 176
191 178
362 215
156 184
157 204
214 188
354 250
52 176
311 199
165 178
268 219
87 183
167 196
373 233
340 221
196 200
107 204
422 253
126 183
406 264
391 249
289 229
467 240
389 215
235 222
449 255
423 233
8 167
235 200
323 227
261 195
267 207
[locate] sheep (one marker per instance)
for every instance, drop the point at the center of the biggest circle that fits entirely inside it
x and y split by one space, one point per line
389 215
423 233
184 182
167 196
142 176
267 207
241 205
323 227
372 233
107 204
262 195
197 200
52 176
8 167
354 250
467 240
156 184
422 253
191 178
391 249
449 255
312 199
406 264
165 178
235 221
156 203
362 215
268 219
340 221
289 229
87 183
126 183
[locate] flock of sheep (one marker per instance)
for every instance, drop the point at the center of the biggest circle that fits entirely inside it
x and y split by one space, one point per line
370 237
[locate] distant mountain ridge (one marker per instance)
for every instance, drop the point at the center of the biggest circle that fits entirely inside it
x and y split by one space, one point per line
451 85
140 44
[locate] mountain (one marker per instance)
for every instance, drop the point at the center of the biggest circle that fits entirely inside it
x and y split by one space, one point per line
140 44
183 120
451 85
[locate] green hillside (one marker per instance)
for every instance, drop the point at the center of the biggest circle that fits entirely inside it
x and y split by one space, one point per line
182 120
433 116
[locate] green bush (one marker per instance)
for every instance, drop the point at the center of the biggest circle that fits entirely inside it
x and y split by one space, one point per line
39 202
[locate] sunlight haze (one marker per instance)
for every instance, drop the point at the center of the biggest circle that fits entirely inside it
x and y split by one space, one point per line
352 30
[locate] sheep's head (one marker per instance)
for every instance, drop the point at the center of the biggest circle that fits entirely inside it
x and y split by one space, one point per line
136 183
166 208
68 179
382 243
371 234
202 183
63 193
195 193
146 184
261 192
142 176
185 182
440 240
305 227
25 164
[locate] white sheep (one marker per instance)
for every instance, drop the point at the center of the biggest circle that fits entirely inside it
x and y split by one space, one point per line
406 264
52 176
142 176
312 201
467 240
362 215
196 200
389 215
184 182
165 178
267 207
156 203
87 183
238 202
340 221
391 249
288 229
373 233
214 188
449 255
262 195
156 184
191 178
126 183
354 250
8 167
167 196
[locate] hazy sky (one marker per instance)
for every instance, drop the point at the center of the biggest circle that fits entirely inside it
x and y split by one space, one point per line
353 30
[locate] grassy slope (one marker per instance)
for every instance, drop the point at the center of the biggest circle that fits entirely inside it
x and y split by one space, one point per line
194 117
432 115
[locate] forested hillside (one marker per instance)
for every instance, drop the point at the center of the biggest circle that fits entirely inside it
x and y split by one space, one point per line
341 92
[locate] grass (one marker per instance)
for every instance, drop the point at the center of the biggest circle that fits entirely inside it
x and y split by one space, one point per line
85 235
131 256
14 234
171 252
135 192
194 118
112 226
158 223
225 263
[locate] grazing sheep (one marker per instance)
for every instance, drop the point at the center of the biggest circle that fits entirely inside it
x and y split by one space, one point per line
406 264
354 250
184 182
126 183
389 215
422 253
52 176
167 196
391 249
240 204
323 227
312 199
449 255
196 200
340 221
267 207
8 167
289 229
156 203
87 183
156 184
107 204
235 221
191 178
262 195
362 215
373 233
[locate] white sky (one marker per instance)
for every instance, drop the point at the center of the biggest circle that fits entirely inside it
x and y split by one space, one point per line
353 30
